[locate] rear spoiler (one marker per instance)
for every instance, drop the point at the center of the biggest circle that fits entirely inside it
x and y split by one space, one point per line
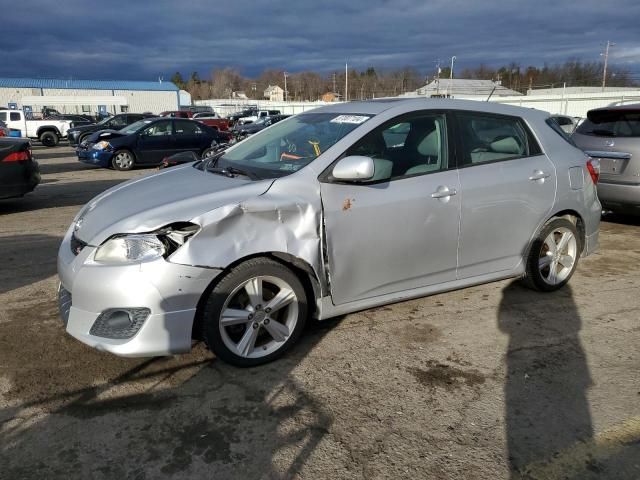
602 154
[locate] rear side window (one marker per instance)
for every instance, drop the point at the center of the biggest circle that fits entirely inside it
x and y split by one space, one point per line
3 116
611 123
187 128
14 116
491 138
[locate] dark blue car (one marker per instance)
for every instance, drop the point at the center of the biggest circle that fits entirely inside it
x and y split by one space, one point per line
146 142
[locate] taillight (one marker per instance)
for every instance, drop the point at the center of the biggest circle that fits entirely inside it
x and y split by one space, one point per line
593 166
17 157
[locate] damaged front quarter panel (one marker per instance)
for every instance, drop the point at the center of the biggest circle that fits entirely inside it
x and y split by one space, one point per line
285 222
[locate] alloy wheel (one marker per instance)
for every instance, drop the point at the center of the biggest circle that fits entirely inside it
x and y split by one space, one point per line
558 256
123 160
259 316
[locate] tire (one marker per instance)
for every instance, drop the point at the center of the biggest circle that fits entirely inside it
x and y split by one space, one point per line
49 139
208 152
122 160
266 333
553 256
83 138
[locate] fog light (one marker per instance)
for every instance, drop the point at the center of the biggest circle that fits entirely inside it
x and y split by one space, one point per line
119 323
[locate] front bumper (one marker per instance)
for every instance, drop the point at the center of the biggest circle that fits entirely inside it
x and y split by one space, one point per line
619 196
171 292
101 158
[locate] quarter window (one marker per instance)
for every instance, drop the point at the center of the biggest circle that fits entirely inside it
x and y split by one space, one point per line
414 144
489 138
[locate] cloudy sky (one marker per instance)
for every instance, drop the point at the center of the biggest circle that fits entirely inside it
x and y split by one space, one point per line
143 39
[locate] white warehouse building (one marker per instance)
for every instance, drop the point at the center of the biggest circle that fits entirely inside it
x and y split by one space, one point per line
88 96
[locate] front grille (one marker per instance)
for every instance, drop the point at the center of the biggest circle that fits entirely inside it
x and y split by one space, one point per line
64 304
76 244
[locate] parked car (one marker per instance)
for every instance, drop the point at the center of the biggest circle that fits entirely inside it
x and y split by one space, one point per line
19 172
76 120
567 123
246 112
258 125
177 114
197 108
146 142
78 134
48 132
319 216
181 158
213 120
612 136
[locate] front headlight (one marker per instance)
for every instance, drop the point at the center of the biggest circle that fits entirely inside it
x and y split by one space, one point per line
130 248
103 145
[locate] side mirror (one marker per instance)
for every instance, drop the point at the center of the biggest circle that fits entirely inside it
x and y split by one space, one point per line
355 168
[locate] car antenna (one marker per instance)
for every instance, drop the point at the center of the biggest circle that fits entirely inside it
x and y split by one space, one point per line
489 97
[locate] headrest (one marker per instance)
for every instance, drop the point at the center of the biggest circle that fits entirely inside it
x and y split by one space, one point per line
430 145
506 145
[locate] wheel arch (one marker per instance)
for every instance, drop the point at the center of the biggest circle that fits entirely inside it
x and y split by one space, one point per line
574 217
47 128
298 266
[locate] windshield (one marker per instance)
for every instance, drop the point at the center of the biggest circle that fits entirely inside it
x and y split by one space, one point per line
134 127
290 144
611 123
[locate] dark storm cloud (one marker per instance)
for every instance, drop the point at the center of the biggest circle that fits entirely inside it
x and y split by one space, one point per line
142 40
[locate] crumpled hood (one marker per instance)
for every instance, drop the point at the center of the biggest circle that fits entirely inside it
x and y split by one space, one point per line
105 135
145 204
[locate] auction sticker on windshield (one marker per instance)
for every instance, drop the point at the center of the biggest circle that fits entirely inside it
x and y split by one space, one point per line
350 119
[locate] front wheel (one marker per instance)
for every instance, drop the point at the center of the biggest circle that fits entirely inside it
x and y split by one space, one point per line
255 313
122 160
553 256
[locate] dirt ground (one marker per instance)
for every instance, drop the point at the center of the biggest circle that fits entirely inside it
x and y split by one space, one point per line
490 382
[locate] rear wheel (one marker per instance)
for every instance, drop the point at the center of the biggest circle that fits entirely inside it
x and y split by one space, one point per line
255 313
49 139
553 256
122 160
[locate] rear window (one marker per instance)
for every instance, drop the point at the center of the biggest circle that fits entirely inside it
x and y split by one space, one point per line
611 123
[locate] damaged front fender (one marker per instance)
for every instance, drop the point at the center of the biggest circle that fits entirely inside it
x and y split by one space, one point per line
278 222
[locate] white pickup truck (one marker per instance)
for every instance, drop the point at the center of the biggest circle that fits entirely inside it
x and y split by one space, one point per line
259 114
49 132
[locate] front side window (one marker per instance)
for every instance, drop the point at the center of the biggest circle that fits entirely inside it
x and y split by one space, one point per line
134 127
490 138
3 116
412 145
290 144
187 128
158 129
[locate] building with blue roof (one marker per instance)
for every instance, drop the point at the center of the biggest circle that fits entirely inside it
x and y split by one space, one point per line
89 96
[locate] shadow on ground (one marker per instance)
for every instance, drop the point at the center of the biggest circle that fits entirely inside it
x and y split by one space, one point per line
27 259
187 416
549 429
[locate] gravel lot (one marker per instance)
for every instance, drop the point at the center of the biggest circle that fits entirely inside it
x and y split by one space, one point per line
490 382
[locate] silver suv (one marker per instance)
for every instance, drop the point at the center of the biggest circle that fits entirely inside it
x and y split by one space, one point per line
612 136
339 209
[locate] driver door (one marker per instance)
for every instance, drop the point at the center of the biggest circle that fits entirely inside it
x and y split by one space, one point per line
155 142
398 231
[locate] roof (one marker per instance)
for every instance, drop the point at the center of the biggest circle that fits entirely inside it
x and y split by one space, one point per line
400 105
463 86
6 82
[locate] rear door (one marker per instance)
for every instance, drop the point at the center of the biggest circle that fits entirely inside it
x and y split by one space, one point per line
155 142
508 189
189 136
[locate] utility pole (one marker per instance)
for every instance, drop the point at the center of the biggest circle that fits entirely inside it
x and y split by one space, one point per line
346 82
286 93
453 59
438 78
334 82
606 60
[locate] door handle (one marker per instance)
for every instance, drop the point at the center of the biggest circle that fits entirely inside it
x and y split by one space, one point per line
443 192
538 175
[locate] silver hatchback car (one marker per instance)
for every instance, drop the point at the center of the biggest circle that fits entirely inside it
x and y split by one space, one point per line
339 209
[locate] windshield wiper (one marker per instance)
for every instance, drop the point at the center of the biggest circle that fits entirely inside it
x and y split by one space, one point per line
231 172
